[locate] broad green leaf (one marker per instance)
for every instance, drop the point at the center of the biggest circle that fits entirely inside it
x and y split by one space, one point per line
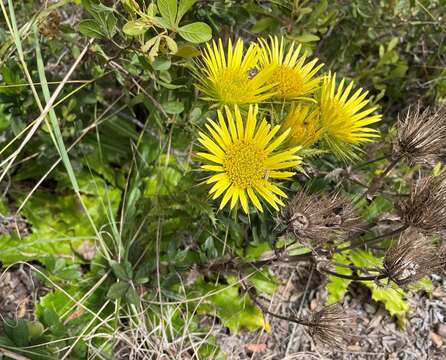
91 28
173 107
118 290
168 10
197 32
336 286
307 38
123 270
135 28
187 51
263 24
234 310
183 8
263 282
53 234
161 64
392 298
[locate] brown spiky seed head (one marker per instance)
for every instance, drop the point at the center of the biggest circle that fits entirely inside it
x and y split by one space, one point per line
413 258
320 217
331 326
425 207
421 135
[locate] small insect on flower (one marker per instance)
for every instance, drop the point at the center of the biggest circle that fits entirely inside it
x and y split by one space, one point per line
303 121
421 136
244 155
331 326
344 119
425 207
319 218
293 77
413 258
230 76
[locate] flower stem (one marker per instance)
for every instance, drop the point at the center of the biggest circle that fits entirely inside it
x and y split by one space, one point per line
377 181
372 240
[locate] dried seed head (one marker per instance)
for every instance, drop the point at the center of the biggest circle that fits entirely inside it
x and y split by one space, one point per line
319 217
425 207
331 326
413 258
421 136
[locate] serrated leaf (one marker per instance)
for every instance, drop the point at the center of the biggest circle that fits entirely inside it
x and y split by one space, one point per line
17 331
392 298
117 290
91 28
234 310
336 286
123 270
197 32
168 10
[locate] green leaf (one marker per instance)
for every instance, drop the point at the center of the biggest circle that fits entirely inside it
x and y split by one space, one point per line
336 286
187 51
135 28
123 270
53 234
263 24
184 7
91 28
304 38
118 290
173 107
263 282
17 331
161 64
392 298
197 32
234 310
168 10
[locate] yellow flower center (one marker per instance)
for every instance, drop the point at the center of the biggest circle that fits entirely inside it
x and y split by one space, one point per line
245 164
233 86
289 82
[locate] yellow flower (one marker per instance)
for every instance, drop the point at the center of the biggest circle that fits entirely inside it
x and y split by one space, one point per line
232 78
293 78
344 119
245 158
303 122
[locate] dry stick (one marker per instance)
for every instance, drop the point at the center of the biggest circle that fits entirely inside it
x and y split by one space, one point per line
376 183
354 277
262 307
372 240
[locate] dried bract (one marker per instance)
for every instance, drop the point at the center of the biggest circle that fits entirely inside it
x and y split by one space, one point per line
331 326
320 217
413 258
425 207
421 136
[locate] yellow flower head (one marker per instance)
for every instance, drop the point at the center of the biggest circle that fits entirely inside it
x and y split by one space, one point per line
303 122
344 119
232 78
293 77
245 159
